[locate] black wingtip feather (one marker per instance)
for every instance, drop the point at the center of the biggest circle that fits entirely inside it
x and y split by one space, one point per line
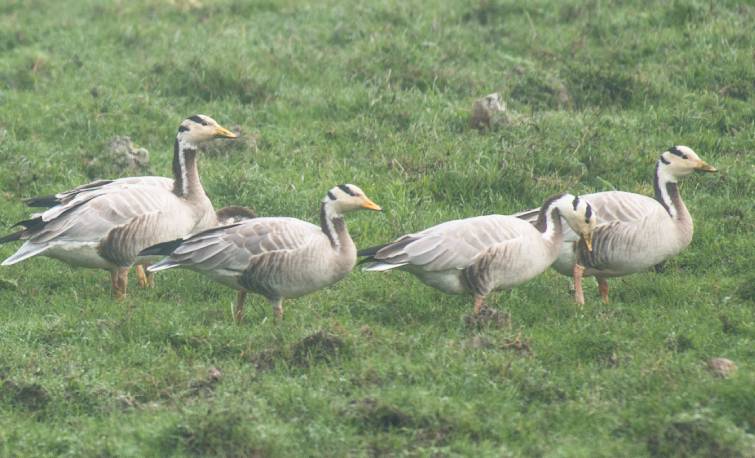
12 237
42 201
371 251
162 249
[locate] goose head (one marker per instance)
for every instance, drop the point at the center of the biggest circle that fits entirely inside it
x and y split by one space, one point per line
582 219
579 215
201 128
680 161
345 198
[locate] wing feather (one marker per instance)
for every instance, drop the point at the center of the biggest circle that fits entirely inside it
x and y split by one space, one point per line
236 247
450 245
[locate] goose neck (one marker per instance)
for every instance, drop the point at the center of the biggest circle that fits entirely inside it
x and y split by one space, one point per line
667 194
552 230
334 226
549 221
185 173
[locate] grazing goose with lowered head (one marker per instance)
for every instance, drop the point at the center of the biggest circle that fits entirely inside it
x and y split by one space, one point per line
278 258
485 253
105 226
634 232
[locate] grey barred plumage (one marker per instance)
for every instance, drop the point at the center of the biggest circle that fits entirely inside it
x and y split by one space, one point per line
105 224
276 257
482 254
634 232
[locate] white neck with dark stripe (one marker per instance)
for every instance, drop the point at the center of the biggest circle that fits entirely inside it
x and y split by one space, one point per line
332 225
549 221
185 173
553 228
667 191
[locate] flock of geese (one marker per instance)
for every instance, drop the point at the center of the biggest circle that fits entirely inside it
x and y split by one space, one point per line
157 223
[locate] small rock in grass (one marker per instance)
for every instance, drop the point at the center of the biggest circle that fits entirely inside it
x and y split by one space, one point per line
123 151
722 367
120 154
488 112
214 374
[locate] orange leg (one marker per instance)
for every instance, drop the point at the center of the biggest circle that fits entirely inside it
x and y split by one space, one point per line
238 311
603 288
479 304
119 282
141 276
145 279
579 295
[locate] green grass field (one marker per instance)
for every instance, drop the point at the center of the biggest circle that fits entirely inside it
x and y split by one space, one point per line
377 93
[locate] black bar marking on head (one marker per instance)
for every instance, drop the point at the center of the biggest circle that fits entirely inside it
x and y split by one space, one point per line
198 119
588 213
345 188
182 128
575 202
331 196
675 151
664 160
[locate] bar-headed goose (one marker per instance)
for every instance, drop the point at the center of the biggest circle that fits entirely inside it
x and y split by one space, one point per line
278 258
105 226
226 215
634 232
485 253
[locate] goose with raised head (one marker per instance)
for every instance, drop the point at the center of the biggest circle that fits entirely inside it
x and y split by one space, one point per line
276 257
106 226
486 253
634 232
226 215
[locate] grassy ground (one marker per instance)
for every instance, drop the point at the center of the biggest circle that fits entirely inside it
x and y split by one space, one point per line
376 93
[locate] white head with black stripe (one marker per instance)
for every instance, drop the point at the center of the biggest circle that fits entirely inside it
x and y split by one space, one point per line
345 198
200 128
680 161
582 219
